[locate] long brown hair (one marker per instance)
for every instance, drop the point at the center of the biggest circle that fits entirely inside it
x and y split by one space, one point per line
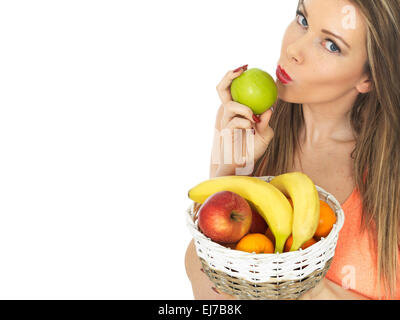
375 120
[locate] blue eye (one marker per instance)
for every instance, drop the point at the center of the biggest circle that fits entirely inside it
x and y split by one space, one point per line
299 14
333 48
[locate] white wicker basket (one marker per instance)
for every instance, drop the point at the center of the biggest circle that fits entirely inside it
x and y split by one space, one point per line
266 276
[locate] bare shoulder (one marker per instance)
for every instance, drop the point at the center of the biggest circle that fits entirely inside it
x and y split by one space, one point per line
202 286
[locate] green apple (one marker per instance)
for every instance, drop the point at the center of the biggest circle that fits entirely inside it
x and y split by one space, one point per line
256 89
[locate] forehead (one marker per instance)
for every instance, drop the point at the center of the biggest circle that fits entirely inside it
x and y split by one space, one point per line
341 17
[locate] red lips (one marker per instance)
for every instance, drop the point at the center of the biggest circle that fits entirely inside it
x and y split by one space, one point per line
282 75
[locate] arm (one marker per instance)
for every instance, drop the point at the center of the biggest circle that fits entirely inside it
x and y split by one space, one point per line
220 169
233 117
203 288
328 290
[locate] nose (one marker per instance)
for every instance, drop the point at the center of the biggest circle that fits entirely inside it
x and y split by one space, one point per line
294 51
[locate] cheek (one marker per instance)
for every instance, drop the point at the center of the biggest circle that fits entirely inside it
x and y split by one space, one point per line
291 35
317 83
320 76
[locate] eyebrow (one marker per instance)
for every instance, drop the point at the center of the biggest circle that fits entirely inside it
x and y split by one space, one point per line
324 30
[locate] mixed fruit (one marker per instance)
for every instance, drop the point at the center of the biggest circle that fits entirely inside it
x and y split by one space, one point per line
253 215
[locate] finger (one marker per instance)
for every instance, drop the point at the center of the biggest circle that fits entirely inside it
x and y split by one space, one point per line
233 109
239 123
264 120
223 88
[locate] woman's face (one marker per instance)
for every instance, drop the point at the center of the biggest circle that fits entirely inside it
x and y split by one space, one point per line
322 67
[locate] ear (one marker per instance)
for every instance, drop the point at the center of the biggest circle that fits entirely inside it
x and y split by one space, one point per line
365 85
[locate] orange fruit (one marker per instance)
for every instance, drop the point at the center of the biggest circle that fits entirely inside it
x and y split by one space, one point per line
255 242
327 219
289 242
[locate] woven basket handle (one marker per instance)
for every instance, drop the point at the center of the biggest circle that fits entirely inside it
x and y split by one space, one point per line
196 207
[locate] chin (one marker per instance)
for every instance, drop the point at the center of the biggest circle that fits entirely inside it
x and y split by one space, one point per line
285 94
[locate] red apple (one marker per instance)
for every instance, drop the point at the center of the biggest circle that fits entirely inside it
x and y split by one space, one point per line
225 217
258 223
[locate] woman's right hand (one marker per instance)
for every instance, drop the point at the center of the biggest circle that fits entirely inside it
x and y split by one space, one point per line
238 116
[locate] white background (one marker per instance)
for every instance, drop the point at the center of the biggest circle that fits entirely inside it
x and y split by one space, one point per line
107 111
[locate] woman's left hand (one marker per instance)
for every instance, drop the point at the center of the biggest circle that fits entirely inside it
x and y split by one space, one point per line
328 290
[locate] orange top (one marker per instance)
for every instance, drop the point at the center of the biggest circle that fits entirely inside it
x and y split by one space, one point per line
354 264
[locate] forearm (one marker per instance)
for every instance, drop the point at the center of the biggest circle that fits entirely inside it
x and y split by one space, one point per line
341 293
228 170
225 170
328 290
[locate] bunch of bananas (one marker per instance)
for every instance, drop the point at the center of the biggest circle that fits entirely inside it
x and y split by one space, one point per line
271 201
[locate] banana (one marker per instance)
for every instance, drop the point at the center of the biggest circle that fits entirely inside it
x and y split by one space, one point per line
301 189
270 203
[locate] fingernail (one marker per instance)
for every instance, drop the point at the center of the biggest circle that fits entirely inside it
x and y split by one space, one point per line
242 67
256 119
202 270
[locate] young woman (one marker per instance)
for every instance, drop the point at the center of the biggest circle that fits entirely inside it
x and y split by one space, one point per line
337 119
